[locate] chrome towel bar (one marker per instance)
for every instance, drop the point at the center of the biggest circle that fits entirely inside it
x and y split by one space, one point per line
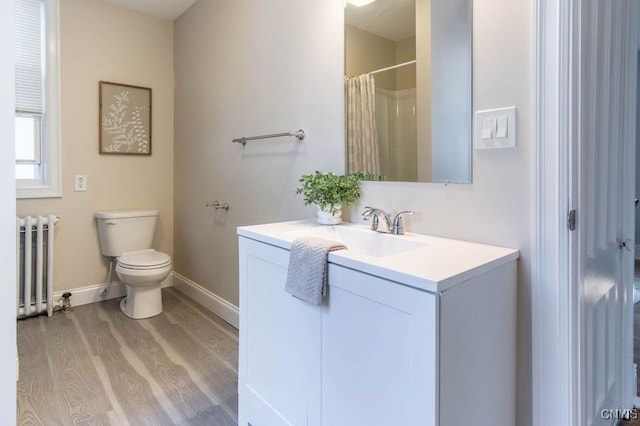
299 134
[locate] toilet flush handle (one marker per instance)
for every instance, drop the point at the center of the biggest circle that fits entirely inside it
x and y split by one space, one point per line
111 222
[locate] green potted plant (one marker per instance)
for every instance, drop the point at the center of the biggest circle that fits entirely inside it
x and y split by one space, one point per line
330 192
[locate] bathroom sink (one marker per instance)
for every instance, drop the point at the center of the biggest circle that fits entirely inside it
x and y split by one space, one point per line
362 240
426 262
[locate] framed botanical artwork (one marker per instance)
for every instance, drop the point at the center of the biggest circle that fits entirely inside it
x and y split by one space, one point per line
125 119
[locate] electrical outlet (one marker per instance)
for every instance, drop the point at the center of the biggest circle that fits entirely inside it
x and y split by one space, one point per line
80 183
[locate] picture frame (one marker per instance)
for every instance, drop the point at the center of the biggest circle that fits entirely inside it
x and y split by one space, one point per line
125 119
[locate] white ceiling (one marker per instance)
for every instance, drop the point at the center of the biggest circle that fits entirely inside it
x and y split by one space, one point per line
165 9
391 19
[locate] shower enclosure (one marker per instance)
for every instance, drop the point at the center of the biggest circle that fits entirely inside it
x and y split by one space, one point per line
396 129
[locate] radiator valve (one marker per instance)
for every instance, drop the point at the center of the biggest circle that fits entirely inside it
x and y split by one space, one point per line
66 302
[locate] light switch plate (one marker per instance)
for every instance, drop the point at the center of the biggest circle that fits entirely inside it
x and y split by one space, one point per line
502 122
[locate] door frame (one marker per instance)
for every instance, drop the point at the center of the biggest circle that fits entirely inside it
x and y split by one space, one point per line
8 314
555 356
556 296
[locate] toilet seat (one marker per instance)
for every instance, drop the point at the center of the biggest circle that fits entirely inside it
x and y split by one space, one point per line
144 260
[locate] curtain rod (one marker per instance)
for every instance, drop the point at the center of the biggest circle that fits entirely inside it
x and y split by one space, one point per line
393 67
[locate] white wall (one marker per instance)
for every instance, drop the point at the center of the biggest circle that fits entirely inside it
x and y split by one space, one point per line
496 207
7 220
248 68
100 41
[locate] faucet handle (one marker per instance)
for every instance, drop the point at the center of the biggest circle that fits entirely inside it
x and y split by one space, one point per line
367 213
398 226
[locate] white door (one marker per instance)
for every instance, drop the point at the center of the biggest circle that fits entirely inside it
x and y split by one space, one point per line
279 366
605 153
379 352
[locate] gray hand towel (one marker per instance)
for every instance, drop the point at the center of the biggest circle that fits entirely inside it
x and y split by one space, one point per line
307 273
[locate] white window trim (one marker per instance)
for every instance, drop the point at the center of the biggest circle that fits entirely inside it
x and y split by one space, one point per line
51 168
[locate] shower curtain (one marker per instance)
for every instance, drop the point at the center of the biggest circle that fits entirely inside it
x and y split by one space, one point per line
362 138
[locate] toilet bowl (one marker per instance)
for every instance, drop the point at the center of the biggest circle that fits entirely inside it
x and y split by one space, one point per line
127 235
142 273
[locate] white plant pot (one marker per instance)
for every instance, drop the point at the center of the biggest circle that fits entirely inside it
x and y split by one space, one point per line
326 218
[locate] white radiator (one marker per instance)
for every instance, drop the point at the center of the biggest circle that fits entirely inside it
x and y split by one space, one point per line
34 239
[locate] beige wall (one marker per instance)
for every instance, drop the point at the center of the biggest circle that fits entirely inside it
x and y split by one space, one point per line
284 70
365 52
423 89
405 51
100 41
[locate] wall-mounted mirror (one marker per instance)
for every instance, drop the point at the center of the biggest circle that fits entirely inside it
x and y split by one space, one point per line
408 89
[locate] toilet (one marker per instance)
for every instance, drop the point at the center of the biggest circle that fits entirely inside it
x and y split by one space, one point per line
128 236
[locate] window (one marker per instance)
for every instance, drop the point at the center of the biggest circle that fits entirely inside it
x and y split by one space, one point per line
37 124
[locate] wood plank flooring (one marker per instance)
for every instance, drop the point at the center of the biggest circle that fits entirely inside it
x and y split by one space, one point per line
94 366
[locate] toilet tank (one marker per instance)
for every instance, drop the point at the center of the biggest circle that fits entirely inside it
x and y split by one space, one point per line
126 230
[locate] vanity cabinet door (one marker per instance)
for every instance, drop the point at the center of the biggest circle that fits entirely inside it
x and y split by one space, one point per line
279 369
379 346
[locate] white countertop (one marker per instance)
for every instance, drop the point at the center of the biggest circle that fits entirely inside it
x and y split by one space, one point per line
434 265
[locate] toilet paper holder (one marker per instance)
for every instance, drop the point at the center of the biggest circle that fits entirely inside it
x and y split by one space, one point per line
217 205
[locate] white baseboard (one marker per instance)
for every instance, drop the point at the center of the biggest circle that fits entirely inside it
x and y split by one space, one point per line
206 298
93 293
211 301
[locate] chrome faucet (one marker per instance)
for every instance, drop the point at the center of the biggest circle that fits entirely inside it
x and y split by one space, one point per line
396 227
374 213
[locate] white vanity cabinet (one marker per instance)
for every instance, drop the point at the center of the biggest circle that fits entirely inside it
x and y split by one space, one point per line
378 351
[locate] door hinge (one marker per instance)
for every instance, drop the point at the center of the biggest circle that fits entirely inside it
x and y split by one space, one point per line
571 220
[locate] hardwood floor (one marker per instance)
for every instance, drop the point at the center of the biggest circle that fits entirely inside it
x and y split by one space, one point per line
95 366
